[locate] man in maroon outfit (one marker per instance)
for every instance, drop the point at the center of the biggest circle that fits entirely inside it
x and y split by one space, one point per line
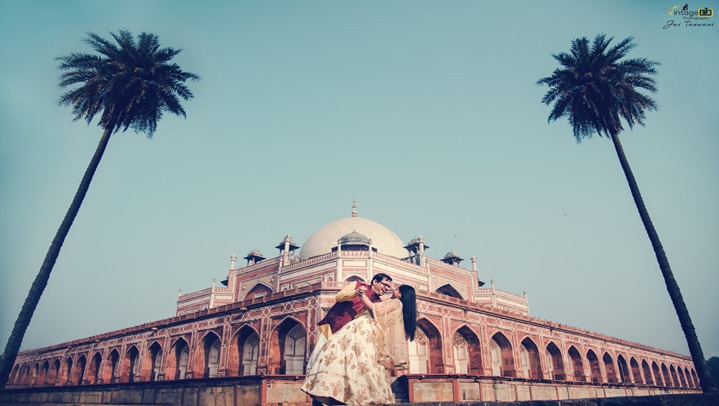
349 305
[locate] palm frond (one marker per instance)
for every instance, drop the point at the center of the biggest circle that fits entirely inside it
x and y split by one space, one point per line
128 83
595 88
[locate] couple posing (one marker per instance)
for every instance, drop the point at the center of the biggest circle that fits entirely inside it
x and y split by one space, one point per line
360 339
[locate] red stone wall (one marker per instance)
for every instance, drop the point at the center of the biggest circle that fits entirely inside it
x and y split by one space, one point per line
597 357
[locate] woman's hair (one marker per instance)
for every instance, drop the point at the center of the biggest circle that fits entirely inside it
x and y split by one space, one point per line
409 310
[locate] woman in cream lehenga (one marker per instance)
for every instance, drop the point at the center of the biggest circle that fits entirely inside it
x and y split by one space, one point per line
352 367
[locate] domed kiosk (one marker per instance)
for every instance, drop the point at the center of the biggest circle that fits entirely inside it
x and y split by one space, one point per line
326 238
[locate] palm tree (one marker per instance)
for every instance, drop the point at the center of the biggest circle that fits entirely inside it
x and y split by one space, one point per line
130 84
594 88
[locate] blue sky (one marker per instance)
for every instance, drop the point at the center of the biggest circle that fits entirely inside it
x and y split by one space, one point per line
426 112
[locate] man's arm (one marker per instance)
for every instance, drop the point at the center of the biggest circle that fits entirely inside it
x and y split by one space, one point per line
366 302
347 293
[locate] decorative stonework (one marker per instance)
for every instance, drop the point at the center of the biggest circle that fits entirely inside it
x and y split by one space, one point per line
480 320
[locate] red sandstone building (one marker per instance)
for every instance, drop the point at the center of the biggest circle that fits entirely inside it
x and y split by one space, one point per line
473 342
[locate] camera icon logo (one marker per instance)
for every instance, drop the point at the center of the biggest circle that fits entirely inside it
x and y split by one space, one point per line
706 12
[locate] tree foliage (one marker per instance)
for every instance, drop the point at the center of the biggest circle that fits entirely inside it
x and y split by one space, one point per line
595 87
130 84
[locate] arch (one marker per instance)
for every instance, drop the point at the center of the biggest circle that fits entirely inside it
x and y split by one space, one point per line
675 379
682 377
461 354
177 359
34 374
15 374
250 354
354 278
66 371
234 359
212 358
691 378
28 380
448 290
473 362
42 376
26 374
207 359
609 368
623 369
54 374
694 378
112 366
258 290
419 353
130 365
658 376
636 372
648 378
665 376
23 374
434 346
594 369
502 356
78 373
555 363
288 344
295 345
93 370
577 365
244 352
531 365
151 368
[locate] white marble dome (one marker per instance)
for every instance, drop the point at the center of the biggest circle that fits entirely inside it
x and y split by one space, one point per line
323 240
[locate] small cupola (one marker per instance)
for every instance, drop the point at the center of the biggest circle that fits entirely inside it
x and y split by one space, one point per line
354 241
254 256
287 244
452 259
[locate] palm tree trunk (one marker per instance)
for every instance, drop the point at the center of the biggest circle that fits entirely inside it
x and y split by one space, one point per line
38 286
672 287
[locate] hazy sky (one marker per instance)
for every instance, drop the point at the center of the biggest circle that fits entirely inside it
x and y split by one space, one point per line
426 112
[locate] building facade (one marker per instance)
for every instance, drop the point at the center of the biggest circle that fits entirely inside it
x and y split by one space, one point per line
262 321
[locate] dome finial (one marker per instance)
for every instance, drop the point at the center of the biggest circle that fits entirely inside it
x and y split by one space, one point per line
354 207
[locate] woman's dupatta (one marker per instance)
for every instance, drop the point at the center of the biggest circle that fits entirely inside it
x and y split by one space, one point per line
390 336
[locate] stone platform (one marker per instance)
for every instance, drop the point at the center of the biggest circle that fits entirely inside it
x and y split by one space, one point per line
417 390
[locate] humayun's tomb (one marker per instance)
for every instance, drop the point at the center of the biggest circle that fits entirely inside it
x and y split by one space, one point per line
246 339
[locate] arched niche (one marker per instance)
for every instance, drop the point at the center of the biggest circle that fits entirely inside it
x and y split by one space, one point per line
288 345
531 364
502 356
555 363
449 290
177 359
